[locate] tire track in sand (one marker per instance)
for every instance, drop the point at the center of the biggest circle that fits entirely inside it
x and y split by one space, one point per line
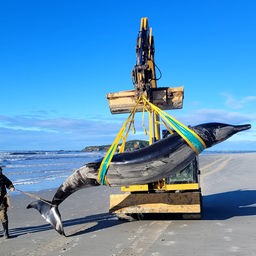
215 166
57 246
142 239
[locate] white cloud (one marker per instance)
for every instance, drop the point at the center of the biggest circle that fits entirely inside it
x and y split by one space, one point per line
215 115
234 103
34 132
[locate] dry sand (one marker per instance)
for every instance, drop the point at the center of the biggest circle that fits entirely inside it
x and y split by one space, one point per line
227 228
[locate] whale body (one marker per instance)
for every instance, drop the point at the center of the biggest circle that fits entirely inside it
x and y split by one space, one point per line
142 166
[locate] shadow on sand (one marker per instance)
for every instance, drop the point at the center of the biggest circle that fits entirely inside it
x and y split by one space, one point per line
215 207
229 204
95 222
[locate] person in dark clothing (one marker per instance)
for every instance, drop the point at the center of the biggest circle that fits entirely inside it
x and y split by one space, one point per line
4 183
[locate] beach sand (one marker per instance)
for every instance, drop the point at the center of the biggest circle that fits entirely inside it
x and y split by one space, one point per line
91 230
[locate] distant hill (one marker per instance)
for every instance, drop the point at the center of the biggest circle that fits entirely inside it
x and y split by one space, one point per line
129 146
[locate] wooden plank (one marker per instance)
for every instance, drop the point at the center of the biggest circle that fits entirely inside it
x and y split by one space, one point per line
187 202
165 98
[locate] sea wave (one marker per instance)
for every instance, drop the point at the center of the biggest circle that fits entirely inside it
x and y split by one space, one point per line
37 170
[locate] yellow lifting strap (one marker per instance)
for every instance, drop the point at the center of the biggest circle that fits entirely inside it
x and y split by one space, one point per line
192 139
112 149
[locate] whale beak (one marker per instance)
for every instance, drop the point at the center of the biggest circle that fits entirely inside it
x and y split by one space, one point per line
239 128
225 131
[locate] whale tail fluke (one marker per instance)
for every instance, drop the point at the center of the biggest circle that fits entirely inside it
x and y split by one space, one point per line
50 213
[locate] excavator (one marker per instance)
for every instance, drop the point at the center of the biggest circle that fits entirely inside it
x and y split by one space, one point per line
180 193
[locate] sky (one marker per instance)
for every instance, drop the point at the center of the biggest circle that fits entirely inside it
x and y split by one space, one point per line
59 59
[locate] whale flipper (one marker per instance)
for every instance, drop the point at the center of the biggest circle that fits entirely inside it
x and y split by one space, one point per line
50 213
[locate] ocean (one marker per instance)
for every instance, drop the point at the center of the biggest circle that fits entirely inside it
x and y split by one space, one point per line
38 170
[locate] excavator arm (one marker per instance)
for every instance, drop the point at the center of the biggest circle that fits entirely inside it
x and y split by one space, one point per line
143 73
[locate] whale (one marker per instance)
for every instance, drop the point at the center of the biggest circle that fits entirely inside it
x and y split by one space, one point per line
142 166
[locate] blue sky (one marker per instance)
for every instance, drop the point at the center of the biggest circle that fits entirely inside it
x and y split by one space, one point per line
59 59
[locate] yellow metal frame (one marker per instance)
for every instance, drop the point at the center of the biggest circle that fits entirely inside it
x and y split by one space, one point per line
135 188
163 186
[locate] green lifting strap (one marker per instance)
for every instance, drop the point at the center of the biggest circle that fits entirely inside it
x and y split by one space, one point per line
105 163
192 139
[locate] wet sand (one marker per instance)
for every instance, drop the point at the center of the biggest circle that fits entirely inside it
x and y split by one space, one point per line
227 228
